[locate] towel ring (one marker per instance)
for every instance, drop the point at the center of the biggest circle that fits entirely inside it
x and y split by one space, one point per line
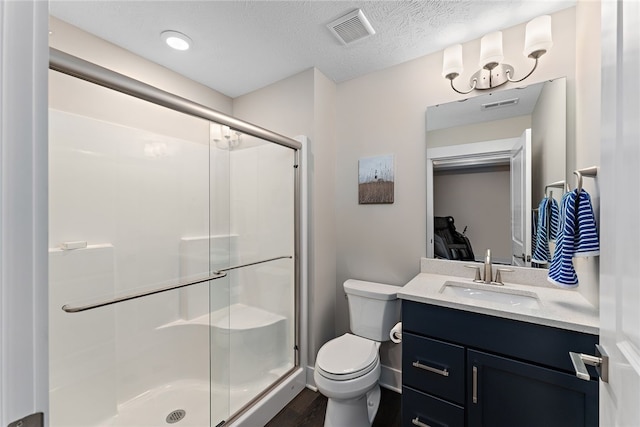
588 172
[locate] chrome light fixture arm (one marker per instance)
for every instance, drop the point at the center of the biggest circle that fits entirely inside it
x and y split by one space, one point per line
535 65
474 83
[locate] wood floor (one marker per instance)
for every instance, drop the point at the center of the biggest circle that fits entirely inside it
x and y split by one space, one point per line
308 408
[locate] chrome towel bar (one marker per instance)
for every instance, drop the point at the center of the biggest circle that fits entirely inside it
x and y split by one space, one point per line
219 274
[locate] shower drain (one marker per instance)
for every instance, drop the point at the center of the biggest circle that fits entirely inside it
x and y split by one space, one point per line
176 416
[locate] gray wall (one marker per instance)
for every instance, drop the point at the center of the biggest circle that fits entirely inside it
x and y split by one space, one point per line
478 198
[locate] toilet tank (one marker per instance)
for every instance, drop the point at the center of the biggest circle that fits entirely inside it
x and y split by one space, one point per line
374 308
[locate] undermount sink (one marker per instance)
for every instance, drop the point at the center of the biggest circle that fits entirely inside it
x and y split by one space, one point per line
491 293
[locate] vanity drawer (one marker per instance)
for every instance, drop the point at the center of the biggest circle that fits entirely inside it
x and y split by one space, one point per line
507 337
420 409
433 366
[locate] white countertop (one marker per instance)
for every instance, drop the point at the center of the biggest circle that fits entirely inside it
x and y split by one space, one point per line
560 308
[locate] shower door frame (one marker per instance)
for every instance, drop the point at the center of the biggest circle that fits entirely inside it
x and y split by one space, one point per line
76 67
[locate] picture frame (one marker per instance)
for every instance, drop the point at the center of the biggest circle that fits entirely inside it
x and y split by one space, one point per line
376 176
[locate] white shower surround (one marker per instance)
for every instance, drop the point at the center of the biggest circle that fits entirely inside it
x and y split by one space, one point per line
100 162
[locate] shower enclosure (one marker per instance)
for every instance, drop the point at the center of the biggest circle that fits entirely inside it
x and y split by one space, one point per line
173 255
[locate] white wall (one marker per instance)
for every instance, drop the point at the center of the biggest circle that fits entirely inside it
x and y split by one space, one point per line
477 132
548 139
23 211
586 150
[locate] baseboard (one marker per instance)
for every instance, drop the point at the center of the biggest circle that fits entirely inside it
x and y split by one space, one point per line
311 383
390 378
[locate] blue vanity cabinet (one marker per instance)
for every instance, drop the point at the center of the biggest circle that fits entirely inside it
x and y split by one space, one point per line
467 369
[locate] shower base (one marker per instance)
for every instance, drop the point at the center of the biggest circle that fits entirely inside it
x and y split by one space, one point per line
200 403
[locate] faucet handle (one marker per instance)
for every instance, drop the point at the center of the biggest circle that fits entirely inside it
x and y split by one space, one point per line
477 278
498 280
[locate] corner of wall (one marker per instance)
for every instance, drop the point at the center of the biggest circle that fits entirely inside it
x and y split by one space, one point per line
587 126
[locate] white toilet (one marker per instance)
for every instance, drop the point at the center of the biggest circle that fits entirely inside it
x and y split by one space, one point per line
348 367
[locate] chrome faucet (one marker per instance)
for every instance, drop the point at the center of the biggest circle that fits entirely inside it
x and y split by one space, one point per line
488 272
488 268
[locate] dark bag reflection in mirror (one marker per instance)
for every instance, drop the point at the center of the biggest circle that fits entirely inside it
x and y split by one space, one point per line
449 243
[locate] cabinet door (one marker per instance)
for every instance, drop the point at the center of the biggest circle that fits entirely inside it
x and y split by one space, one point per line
506 393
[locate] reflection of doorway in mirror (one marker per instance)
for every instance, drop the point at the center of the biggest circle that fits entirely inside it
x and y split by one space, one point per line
486 190
375 180
485 187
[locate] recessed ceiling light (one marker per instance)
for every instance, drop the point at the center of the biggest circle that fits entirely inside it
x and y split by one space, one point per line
176 40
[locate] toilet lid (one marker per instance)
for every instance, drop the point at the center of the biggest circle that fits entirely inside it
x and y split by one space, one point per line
347 357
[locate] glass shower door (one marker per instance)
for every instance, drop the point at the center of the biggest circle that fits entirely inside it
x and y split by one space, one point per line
145 202
129 214
253 338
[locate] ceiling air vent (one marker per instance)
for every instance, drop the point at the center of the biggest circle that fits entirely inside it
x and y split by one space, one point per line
351 27
498 104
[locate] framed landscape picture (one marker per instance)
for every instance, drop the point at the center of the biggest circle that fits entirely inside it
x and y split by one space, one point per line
375 179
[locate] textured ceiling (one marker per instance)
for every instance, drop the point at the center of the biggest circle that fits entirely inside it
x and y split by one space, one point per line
241 46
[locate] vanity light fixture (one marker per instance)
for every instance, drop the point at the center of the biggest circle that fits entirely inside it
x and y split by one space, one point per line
493 72
176 40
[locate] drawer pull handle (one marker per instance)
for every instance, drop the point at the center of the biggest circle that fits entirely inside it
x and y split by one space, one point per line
416 422
444 372
474 397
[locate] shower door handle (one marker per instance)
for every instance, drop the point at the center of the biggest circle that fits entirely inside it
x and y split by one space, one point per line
77 309
219 274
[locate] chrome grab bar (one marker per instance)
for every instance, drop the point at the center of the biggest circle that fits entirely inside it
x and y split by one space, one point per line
219 274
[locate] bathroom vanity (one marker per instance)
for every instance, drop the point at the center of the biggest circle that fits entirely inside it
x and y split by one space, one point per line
473 355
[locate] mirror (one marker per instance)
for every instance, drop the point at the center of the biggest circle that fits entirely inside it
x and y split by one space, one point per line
482 171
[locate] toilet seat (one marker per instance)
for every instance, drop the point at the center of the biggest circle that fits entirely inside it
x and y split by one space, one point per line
347 357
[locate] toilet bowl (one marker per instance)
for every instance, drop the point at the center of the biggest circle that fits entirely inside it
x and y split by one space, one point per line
347 372
347 368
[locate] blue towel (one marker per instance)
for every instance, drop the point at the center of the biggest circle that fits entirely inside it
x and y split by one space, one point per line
587 242
554 221
546 230
541 254
578 236
561 271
